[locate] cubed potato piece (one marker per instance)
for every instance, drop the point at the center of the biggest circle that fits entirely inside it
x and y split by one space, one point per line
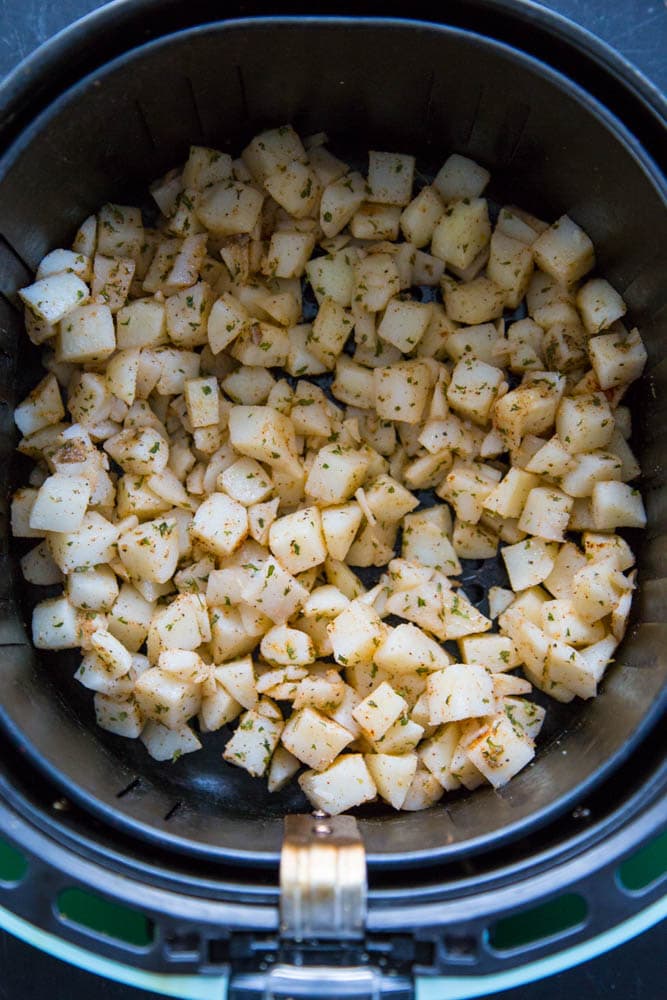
274 592
584 423
387 500
37 567
420 217
227 320
284 646
322 691
263 433
401 390
340 200
589 468
376 222
336 474
379 711
597 589
564 251
355 634
530 408
165 699
220 524
55 624
423 793
282 769
437 752
340 524
288 253
467 486
600 305
525 716
202 399
354 383
406 649
168 744
495 652
272 149
509 496
500 752
93 590
229 208
150 551
86 335
206 166
95 675
130 617
561 621
141 451
60 504
529 562
53 297
122 718
260 518
520 225
116 658
218 708
331 328
473 389
238 678
462 233
112 278
261 345
253 743
121 375
87 546
602 546
549 301
43 407
477 301
295 187
376 281
392 775
345 784
546 513
510 266
459 178
617 505
314 739
427 543
404 323
460 691
300 360
566 564
390 177
565 666
471 541
332 276
59 260
141 323
246 481
617 359
297 541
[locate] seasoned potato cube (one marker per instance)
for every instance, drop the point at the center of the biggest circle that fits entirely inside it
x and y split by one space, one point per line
229 208
565 666
271 150
246 481
392 775
459 691
123 718
130 617
509 496
227 320
472 302
331 328
274 592
202 399
495 652
376 281
584 423
401 390
420 217
404 323
462 233
529 562
93 590
86 546
600 305
60 504
165 699
603 546
546 513
378 712
336 473
340 524
296 540
617 505
141 451
423 793
141 323
345 784
406 649
285 646
597 589
500 752
38 567
51 298
116 658
282 769
314 739
340 200
473 389
525 716
564 251
561 621
55 625
220 524
460 178
150 551
510 266
617 359
263 433
238 679
86 334
112 278
253 743
376 222
168 744
41 408
355 634
390 177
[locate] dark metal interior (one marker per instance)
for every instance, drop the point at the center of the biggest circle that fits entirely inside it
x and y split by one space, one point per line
551 149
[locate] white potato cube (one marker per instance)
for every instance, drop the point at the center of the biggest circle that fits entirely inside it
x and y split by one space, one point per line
460 691
617 359
228 208
86 334
60 504
401 390
564 251
477 301
94 589
460 177
584 423
86 546
297 541
340 524
150 551
462 233
285 646
55 625
376 281
123 718
379 711
600 305
500 752
423 793
314 739
546 513
616 505
597 589
37 567
275 592
390 177
168 744
404 323
253 743
355 634
202 400
473 389
392 775
220 524
345 784
41 408
263 433
529 562
336 474
53 297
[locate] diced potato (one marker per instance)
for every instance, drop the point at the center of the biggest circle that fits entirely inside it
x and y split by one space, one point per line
476 301
345 784
500 752
283 645
423 793
460 691
525 716
253 743
379 711
264 434
376 281
297 541
390 177
51 298
529 563
406 649
55 624
150 551
392 775
462 232
510 266
597 589
168 744
86 546
274 592
86 335
473 389
331 328
43 407
420 217
282 769
376 222
93 590
314 739
617 359
401 390
564 251
123 718
60 504
600 305
617 505
546 514
404 323
460 178
355 634
228 208
494 652
336 474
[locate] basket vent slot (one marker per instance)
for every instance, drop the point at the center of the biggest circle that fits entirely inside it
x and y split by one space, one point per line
99 916
646 867
558 916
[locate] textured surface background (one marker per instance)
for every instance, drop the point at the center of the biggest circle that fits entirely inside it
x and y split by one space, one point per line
636 28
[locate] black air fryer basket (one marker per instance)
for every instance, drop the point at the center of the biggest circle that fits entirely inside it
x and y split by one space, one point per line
563 126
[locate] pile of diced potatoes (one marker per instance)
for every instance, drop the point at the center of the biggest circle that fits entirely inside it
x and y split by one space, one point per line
204 504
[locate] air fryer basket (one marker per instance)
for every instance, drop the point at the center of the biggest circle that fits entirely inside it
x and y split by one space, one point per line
384 84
